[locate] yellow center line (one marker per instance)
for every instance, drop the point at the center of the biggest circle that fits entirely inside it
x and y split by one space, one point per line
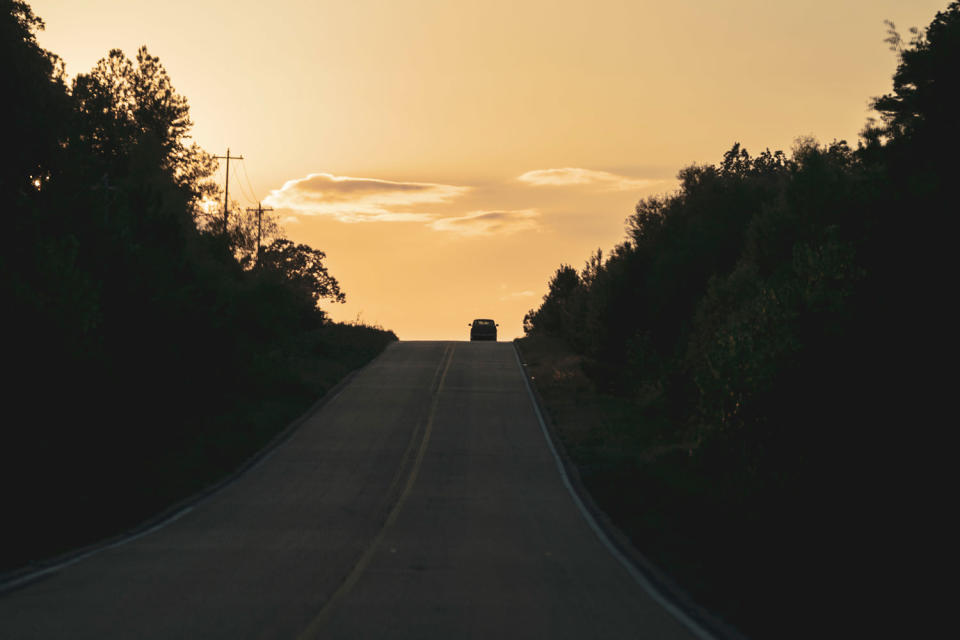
317 623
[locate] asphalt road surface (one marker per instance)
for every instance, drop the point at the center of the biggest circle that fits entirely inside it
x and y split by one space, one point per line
422 502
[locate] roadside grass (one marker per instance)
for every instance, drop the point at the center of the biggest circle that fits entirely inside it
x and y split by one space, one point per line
707 535
290 382
141 460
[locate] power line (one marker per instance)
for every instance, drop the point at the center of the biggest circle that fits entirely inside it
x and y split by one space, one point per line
245 194
246 177
250 197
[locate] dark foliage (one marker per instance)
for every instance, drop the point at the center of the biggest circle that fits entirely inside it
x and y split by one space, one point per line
773 307
146 354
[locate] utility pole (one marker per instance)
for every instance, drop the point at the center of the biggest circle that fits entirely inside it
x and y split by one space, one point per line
226 188
259 211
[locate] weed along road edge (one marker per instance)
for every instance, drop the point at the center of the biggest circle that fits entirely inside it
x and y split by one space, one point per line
422 502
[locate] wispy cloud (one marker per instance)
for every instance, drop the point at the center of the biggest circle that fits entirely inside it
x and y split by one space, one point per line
571 176
360 199
518 294
485 223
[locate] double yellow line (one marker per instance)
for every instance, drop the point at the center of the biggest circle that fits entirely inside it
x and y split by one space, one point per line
313 629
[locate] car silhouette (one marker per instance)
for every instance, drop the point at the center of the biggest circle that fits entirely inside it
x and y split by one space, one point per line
483 329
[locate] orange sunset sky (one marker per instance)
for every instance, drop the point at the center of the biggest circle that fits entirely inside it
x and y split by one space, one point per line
449 155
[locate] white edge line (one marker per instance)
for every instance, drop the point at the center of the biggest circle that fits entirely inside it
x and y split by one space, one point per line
635 573
36 575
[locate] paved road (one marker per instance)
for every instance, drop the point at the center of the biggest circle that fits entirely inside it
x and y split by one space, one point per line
422 502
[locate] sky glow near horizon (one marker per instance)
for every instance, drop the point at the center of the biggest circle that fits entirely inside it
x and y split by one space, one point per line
447 155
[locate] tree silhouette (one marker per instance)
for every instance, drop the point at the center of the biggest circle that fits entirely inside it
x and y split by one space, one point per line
926 89
768 311
120 299
35 121
302 267
122 104
558 312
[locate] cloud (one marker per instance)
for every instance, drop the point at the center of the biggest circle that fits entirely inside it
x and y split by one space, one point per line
569 176
485 223
360 199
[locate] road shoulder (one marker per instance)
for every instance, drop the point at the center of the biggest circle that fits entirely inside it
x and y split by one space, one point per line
659 583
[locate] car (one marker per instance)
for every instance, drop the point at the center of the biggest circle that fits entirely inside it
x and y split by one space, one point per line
483 329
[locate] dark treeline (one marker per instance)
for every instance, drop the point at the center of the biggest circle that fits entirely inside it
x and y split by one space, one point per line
766 313
147 351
